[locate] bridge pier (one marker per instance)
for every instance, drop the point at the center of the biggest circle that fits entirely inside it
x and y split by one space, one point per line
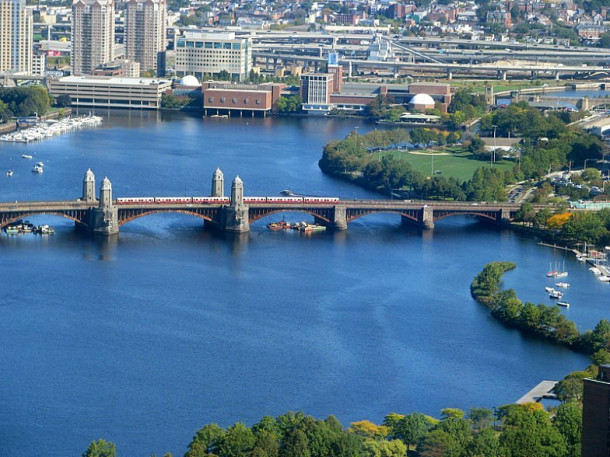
503 217
339 218
425 218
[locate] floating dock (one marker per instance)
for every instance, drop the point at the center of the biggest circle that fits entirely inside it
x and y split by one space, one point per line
542 390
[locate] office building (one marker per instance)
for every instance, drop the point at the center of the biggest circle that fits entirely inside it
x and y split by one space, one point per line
92 35
145 34
203 54
316 89
596 415
111 92
15 37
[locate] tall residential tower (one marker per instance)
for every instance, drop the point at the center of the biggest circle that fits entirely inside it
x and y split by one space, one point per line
145 34
15 37
92 35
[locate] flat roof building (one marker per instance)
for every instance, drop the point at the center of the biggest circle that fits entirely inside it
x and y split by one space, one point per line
145 34
111 92
596 415
16 37
239 99
208 54
92 35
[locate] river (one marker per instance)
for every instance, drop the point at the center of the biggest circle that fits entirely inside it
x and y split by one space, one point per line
145 338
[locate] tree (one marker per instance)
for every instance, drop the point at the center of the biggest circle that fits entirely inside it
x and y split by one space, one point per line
100 448
296 444
207 439
411 429
568 421
238 441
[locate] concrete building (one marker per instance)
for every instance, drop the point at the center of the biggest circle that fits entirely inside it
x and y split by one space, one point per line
239 99
596 415
39 64
203 54
92 35
316 89
145 34
109 92
16 37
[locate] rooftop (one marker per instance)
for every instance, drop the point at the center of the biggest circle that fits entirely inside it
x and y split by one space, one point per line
114 81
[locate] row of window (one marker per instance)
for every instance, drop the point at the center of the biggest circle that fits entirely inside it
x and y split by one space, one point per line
207 45
234 100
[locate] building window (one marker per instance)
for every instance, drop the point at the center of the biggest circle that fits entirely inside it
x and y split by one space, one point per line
210 99
234 100
246 101
258 101
222 99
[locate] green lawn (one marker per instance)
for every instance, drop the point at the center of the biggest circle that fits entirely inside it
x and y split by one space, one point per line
460 165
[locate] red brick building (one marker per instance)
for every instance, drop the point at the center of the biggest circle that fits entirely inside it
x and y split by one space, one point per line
239 99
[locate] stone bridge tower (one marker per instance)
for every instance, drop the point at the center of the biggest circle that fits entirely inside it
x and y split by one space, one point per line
218 184
105 218
89 187
235 217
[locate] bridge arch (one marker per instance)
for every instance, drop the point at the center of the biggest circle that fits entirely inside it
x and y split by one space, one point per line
407 215
478 215
136 215
18 216
257 215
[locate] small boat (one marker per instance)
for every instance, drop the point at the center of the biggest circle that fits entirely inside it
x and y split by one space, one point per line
9 173
563 273
37 169
556 295
581 258
26 156
312 228
595 271
287 192
45 229
40 164
563 285
549 290
603 278
565 304
281 225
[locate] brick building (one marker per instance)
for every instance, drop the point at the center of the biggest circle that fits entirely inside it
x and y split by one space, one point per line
239 99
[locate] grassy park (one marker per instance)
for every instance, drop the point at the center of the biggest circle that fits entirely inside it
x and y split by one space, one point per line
451 161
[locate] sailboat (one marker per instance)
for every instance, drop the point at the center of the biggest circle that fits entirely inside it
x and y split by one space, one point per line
563 273
552 273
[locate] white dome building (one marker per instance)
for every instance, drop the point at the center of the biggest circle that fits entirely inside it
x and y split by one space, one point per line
189 81
421 102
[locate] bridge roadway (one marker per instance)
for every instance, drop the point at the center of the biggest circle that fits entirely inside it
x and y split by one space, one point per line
336 215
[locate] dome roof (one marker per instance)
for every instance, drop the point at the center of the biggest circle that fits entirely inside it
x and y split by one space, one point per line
189 81
422 99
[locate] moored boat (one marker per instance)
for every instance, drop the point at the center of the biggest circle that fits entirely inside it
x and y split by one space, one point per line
556 295
9 173
37 169
563 285
549 289
565 304
26 156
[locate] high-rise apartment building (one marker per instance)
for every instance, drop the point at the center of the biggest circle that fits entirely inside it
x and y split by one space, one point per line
202 54
92 35
15 37
145 34
596 415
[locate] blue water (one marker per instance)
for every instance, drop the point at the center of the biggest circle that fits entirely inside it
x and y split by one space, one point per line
143 339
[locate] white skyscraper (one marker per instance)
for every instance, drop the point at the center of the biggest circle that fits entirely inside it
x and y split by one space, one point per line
15 37
145 34
92 35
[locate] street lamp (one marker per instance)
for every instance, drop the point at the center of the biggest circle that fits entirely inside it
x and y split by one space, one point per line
492 156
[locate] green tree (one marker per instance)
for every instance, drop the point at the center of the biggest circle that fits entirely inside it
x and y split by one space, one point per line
207 440
237 442
411 429
296 444
568 421
100 448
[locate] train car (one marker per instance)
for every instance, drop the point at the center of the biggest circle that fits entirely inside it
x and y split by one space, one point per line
255 199
285 199
320 199
170 200
134 200
215 200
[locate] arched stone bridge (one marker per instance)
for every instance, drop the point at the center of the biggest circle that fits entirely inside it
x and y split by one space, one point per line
105 215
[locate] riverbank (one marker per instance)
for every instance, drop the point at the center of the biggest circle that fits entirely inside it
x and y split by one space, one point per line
12 126
542 321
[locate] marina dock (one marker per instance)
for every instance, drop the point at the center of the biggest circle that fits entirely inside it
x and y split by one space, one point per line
542 390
